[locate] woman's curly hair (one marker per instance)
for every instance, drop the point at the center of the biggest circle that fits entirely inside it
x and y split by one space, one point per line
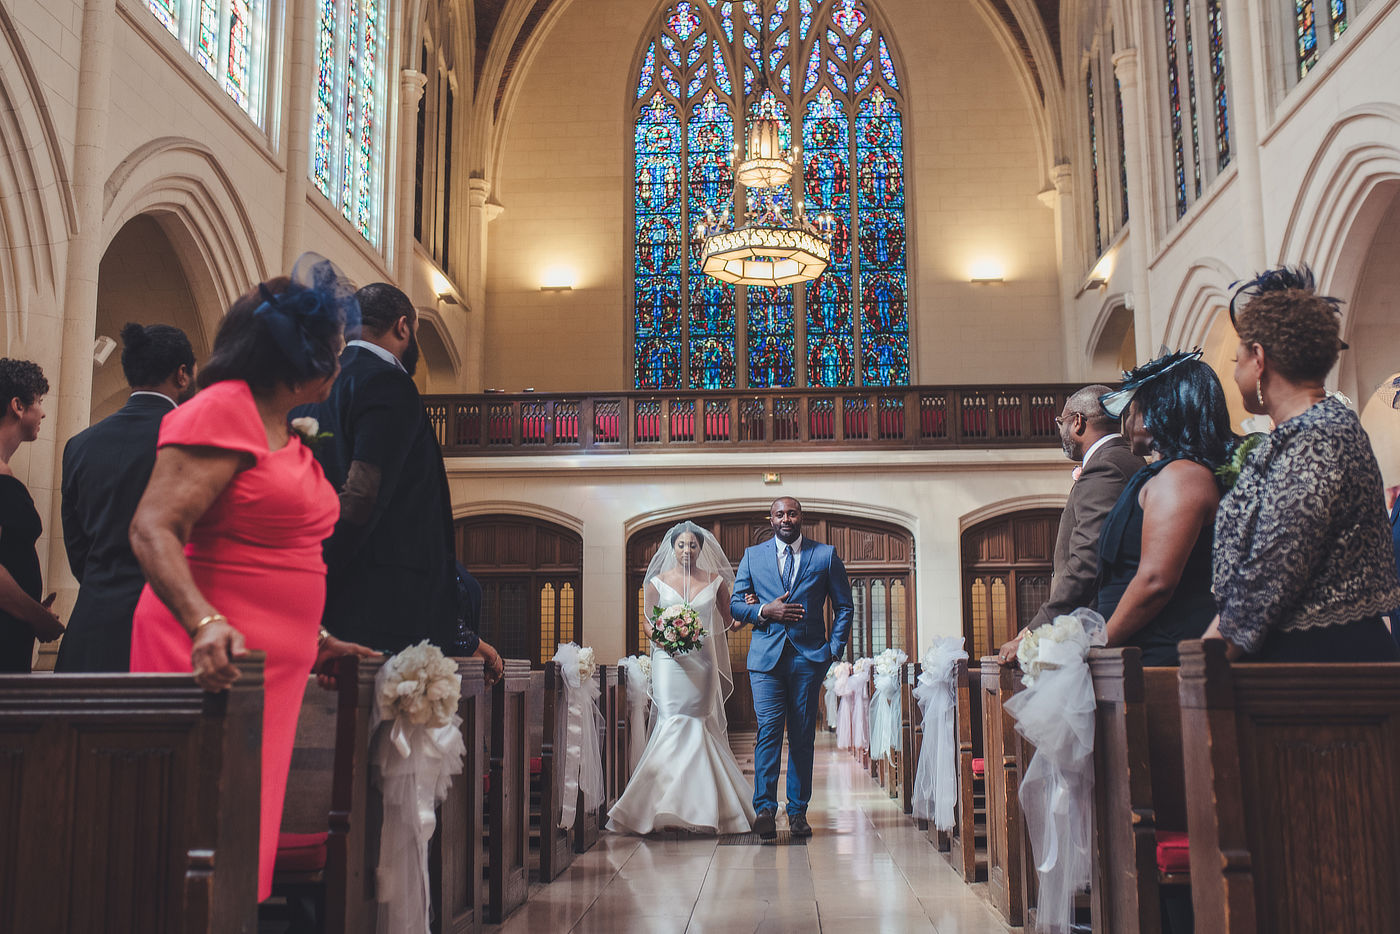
1299 330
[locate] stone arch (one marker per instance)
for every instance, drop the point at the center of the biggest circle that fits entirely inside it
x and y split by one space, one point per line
1112 340
1372 307
440 363
37 210
1381 419
181 183
1204 291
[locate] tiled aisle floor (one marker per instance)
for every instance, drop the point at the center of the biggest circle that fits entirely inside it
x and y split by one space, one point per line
867 869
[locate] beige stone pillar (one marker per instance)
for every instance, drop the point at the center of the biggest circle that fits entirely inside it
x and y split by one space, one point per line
301 71
480 213
1141 229
70 377
1060 199
411 86
1247 88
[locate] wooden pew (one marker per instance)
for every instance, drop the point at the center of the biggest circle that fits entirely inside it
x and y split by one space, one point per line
912 735
128 803
508 798
1139 789
556 845
456 857
619 741
1292 797
330 796
1005 833
970 824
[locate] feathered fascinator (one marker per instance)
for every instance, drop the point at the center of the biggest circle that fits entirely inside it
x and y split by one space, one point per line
320 301
1279 279
1114 403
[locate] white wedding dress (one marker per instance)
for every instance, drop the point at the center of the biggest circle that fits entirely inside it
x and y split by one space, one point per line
687 778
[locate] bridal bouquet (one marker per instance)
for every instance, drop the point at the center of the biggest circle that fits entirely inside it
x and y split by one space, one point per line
421 684
677 628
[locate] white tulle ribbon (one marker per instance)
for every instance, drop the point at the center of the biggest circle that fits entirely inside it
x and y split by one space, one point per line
887 707
638 699
1056 715
583 757
414 765
860 708
935 793
829 687
845 709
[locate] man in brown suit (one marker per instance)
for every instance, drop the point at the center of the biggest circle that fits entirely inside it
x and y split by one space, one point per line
1091 436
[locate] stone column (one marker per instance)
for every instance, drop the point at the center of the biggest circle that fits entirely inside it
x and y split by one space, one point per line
480 213
1247 88
1060 199
301 71
411 86
1142 230
70 377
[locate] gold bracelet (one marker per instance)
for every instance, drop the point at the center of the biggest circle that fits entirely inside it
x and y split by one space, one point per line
211 618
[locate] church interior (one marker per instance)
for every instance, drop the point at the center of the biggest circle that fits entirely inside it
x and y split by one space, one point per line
1012 199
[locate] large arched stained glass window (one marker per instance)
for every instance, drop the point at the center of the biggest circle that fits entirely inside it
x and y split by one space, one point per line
228 38
824 68
348 109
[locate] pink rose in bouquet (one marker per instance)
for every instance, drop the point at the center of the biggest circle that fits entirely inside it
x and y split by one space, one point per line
677 628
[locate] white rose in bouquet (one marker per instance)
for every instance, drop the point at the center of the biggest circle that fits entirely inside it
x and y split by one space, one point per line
587 667
422 685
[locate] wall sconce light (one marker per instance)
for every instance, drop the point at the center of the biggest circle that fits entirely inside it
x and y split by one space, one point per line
102 349
1099 275
1094 282
447 298
557 279
987 271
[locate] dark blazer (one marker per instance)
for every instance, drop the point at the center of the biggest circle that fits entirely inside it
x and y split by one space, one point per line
1077 543
1395 546
820 576
105 471
392 580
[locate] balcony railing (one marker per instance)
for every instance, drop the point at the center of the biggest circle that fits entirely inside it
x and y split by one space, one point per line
916 417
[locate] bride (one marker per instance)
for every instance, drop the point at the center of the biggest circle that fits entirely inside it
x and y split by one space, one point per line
687 778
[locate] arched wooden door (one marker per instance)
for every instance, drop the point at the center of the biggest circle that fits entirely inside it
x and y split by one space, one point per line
531 575
1007 562
879 561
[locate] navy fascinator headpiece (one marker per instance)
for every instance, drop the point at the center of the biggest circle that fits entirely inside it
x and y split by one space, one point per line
304 318
1280 279
1116 402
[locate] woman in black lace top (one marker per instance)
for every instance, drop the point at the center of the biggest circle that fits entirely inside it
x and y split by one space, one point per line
1303 567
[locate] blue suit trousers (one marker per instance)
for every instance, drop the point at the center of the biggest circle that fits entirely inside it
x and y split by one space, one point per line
785 695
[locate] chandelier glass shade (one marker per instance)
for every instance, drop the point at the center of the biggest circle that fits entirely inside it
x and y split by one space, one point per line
765 246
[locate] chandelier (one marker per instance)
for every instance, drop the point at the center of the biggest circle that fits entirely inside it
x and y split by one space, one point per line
765 247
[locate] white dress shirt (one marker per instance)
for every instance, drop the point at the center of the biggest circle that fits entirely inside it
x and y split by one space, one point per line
152 392
1094 447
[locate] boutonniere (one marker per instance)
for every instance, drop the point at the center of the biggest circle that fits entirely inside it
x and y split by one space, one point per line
1229 472
309 431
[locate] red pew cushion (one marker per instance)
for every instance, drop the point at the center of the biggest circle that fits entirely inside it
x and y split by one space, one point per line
1173 852
536 766
979 766
300 852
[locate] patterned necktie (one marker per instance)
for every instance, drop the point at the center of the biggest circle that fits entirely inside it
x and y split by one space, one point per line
787 569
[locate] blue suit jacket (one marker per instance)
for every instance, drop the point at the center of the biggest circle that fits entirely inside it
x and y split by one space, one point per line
820 576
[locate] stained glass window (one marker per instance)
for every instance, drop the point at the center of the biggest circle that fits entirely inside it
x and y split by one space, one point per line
1215 33
226 38
348 109
1094 159
826 70
1312 39
1191 94
1174 104
1122 149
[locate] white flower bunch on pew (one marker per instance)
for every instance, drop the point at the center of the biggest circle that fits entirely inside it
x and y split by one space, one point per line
1035 653
422 684
587 664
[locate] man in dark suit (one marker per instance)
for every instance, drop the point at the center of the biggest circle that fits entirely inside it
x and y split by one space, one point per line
391 570
1393 494
1088 435
792 579
105 469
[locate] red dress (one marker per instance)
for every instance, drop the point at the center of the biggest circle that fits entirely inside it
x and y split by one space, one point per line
256 556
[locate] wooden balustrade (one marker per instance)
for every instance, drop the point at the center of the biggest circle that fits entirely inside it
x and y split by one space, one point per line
917 417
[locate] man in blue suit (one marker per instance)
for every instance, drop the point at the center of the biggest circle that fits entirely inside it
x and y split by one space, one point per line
791 579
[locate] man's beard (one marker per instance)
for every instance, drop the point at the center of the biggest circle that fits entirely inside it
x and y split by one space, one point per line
190 391
410 355
795 532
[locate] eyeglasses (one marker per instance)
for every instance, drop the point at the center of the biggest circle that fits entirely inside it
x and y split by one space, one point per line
1061 419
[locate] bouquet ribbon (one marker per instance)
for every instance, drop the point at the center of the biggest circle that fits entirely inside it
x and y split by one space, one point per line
935 792
414 764
583 758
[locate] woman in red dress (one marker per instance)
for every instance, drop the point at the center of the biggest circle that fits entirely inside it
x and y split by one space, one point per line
229 530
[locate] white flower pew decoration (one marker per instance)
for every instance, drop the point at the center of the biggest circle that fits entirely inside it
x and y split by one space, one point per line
583 756
886 707
638 668
417 748
860 702
1055 714
829 698
935 793
845 703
